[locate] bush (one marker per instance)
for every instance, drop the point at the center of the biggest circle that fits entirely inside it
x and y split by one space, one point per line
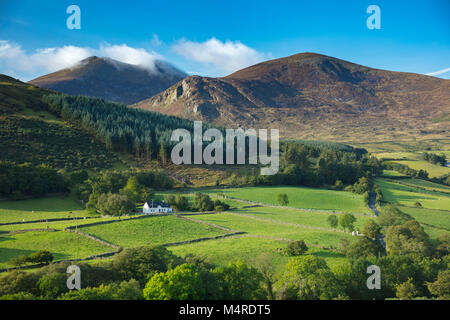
181 203
296 248
338 185
347 221
282 199
139 263
115 204
202 202
221 206
19 261
41 256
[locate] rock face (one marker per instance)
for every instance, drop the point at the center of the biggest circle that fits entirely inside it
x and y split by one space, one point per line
313 96
112 80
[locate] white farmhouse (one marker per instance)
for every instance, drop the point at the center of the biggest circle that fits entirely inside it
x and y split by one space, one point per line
156 207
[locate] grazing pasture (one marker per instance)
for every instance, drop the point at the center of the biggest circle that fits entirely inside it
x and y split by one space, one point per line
400 194
301 197
248 249
40 209
433 170
153 230
63 245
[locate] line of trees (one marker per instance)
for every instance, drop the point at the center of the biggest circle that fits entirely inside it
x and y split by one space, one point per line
202 203
117 192
314 167
156 273
19 180
123 129
406 170
434 158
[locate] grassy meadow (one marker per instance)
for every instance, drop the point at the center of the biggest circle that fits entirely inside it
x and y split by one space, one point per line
404 195
154 230
40 208
301 197
63 245
265 227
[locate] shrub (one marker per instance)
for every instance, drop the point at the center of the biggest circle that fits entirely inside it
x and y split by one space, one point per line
333 221
282 199
41 256
296 248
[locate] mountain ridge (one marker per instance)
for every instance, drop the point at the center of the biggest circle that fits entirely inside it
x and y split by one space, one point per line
313 96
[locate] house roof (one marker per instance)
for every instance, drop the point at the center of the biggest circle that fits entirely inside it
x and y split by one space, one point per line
155 204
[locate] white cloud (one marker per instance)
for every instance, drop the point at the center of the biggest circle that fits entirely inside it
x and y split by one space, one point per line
49 59
228 56
14 59
155 41
436 73
124 53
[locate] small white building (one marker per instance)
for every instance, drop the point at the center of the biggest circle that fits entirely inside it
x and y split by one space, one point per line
156 207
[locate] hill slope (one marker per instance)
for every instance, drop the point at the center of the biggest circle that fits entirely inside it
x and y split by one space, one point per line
29 133
312 96
111 80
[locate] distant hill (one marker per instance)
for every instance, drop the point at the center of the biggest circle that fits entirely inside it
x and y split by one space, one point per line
315 97
30 133
111 80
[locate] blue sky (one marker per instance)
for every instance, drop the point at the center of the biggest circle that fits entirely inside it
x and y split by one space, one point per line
215 38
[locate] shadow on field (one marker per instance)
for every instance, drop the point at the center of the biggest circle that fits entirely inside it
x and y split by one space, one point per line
327 254
7 254
44 204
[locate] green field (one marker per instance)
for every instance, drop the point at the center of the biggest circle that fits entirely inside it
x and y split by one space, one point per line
428 185
63 245
151 231
301 197
433 170
392 173
297 216
57 225
406 195
266 228
437 218
41 208
222 251
274 229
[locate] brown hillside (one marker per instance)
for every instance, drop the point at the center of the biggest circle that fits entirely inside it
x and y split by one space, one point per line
312 96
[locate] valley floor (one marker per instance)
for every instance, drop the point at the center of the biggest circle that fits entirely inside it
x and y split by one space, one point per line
254 224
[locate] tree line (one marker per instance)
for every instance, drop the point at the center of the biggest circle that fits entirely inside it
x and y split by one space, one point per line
19 180
434 158
123 129
314 166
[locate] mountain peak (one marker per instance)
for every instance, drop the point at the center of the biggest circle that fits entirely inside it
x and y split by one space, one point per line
112 80
312 96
